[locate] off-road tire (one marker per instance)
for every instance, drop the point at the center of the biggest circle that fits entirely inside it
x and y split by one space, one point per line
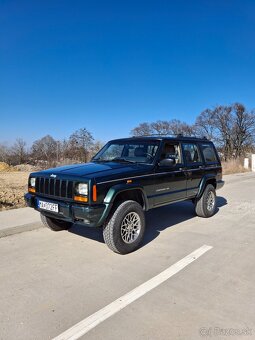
55 224
112 228
201 205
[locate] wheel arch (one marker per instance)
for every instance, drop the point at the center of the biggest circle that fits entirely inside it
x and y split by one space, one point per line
208 179
120 193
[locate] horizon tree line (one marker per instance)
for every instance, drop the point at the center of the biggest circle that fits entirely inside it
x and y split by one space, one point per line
47 151
230 127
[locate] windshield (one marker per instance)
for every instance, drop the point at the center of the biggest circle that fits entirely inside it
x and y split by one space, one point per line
128 151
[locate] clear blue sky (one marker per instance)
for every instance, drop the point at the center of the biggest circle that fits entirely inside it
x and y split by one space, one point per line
109 65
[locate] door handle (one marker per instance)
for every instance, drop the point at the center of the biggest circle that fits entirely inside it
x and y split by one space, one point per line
188 173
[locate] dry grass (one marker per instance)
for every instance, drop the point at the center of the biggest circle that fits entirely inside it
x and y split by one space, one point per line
5 167
13 185
233 166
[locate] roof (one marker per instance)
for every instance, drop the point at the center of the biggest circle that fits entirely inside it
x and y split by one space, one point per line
163 137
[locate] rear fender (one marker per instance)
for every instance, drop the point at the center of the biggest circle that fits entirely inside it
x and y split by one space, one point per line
210 178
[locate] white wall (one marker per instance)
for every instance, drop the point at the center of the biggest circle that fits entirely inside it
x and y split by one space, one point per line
253 162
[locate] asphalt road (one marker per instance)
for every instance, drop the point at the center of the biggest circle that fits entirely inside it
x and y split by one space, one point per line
51 281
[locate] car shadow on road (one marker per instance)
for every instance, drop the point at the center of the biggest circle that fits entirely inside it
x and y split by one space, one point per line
157 220
87 232
171 215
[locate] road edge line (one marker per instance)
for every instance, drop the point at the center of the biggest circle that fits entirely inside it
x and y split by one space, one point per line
90 322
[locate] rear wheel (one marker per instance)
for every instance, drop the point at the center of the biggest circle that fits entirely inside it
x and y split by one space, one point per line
206 205
124 230
55 224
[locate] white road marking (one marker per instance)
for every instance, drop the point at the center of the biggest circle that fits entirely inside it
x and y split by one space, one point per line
95 319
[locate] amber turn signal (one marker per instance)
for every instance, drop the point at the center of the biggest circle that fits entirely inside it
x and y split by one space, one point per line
80 199
30 189
94 194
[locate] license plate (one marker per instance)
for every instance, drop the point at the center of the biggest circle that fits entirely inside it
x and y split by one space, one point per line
48 206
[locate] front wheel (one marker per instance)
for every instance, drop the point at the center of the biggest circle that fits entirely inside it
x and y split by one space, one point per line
124 230
206 205
55 224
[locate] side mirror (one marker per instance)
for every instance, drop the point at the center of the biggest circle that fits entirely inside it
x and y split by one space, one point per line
167 162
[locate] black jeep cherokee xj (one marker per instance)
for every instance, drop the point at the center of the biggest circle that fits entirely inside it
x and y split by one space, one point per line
126 178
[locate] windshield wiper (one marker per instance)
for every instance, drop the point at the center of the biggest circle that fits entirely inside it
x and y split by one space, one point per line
101 160
120 159
116 159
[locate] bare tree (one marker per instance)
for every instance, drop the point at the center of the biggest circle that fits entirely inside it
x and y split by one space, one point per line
19 151
232 128
161 127
204 125
5 154
97 145
178 127
45 149
143 129
80 144
171 127
243 129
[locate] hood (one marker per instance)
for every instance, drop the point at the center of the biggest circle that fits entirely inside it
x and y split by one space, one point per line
95 169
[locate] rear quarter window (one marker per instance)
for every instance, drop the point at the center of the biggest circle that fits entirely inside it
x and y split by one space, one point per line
209 153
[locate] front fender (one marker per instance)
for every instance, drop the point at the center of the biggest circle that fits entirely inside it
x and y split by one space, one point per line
113 192
118 188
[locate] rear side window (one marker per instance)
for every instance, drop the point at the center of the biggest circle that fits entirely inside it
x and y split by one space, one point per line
191 153
209 153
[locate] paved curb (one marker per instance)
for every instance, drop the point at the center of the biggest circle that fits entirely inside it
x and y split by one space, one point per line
20 229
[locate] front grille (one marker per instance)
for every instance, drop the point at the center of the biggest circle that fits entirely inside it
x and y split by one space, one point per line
54 187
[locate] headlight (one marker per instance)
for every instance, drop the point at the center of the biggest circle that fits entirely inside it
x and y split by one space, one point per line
82 189
32 182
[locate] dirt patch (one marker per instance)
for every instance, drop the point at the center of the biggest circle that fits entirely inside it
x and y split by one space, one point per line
5 167
13 185
26 168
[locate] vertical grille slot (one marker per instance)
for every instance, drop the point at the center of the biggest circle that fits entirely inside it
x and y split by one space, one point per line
52 186
41 188
70 189
63 189
57 187
46 190
37 184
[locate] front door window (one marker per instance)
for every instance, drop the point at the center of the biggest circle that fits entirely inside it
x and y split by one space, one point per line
171 150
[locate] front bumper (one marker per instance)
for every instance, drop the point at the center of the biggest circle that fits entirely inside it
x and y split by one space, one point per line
91 216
